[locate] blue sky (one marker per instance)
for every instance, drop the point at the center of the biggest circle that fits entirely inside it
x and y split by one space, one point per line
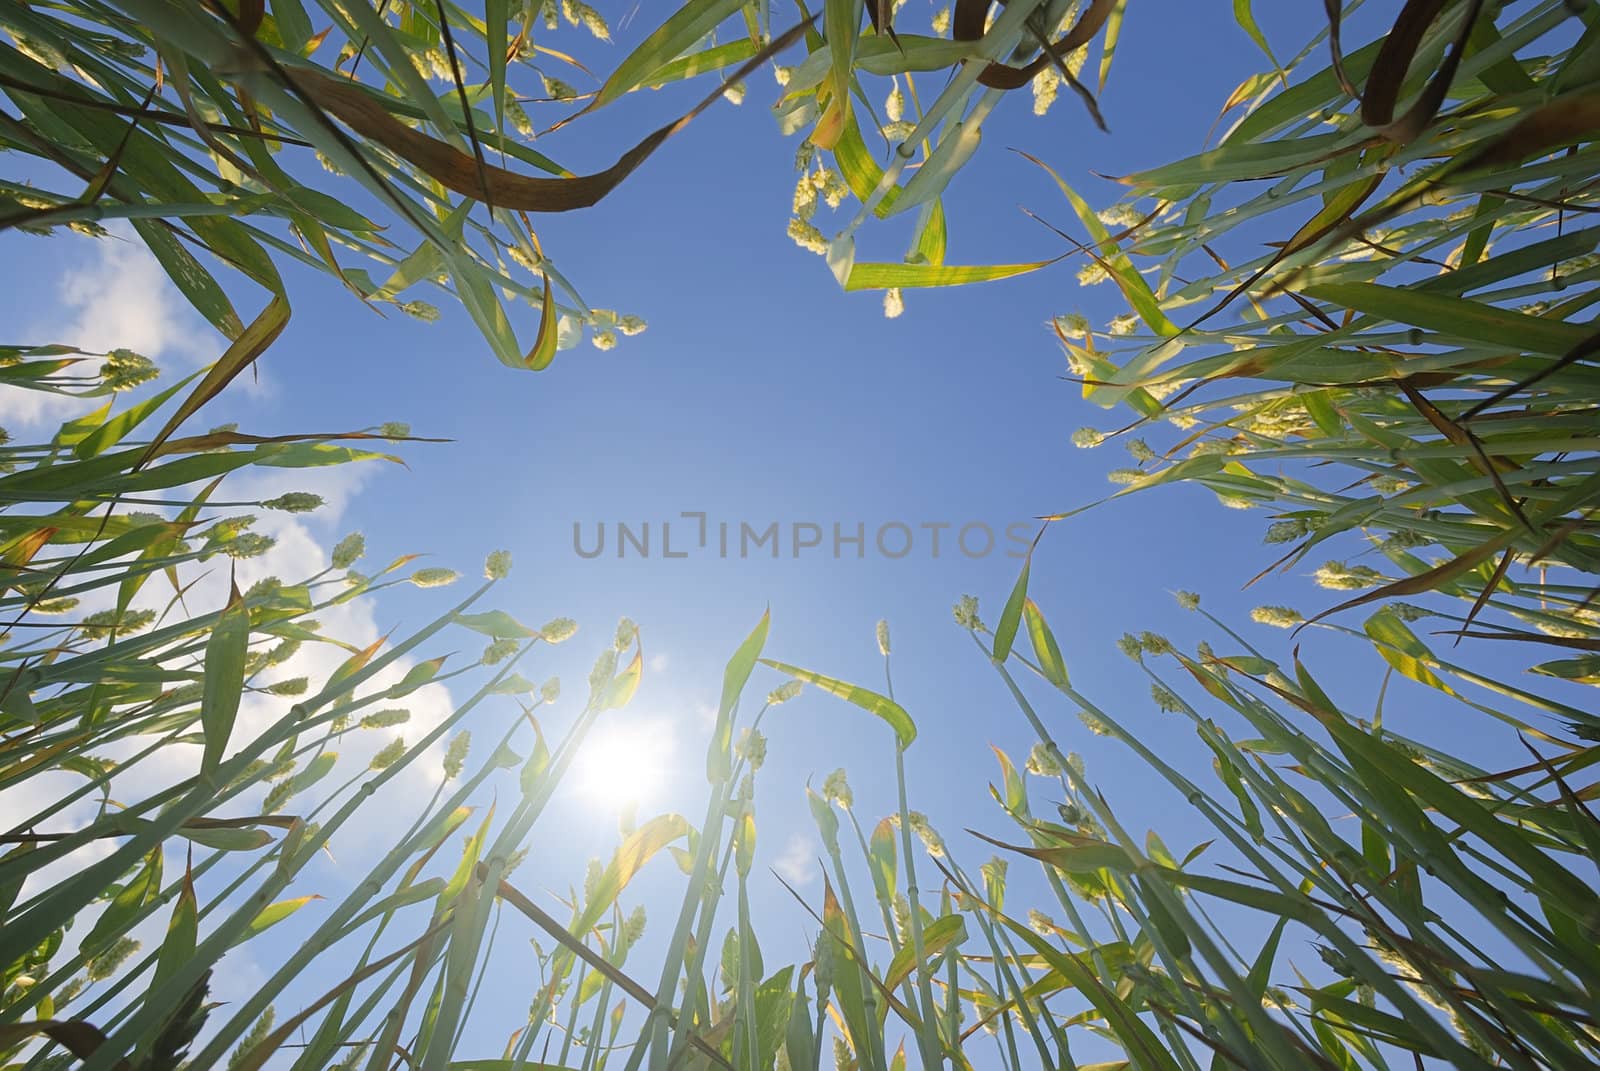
762 393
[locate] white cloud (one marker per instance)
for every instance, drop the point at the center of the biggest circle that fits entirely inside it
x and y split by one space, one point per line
797 863
302 550
659 663
121 297
117 296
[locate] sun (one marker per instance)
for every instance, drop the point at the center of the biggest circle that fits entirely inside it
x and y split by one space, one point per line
623 765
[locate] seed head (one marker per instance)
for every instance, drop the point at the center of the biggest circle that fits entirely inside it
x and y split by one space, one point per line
1341 577
292 686
497 565
1276 616
248 545
1286 531
807 236
1093 273
124 370
1406 611
349 550
386 719
895 105
1166 699
105 964
434 577
966 613
295 502
419 310
1041 763
752 747
455 756
99 625
390 754
499 651
278 796
930 837
605 667
835 789
558 629
1094 723
883 638
1045 86
784 692
1155 643
1071 324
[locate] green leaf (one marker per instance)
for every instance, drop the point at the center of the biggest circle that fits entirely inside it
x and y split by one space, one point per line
619 691
1401 648
905 730
496 624
224 681
273 914
689 24
635 851
719 760
1247 22
1475 321
1045 650
882 276
1005 631
115 429
191 279
177 948
125 906
294 27
937 938
318 768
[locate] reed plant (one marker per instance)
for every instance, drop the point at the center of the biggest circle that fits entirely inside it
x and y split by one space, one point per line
1407 377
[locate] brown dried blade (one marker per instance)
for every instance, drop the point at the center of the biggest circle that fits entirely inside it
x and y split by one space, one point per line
1460 436
1389 71
1335 10
1488 590
1574 642
1424 581
1567 119
365 113
967 25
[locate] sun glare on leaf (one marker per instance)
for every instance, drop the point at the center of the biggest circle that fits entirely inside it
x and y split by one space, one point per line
623 765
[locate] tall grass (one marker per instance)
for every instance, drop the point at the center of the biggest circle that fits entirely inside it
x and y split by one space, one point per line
1372 377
